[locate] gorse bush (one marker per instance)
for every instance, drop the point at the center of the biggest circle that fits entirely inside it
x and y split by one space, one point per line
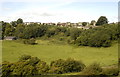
28 65
65 66
93 69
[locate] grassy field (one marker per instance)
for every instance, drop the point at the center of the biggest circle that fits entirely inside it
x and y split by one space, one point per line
12 50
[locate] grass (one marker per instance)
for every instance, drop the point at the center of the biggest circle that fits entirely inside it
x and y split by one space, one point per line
12 50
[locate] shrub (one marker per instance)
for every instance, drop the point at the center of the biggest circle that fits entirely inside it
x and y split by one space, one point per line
50 33
72 65
42 68
6 71
24 57
65 66
30 66
93 69
33 61
74 33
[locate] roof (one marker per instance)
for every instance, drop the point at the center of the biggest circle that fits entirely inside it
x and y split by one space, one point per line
10 37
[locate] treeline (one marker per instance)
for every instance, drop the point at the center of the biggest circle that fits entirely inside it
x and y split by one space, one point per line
31 66
101 36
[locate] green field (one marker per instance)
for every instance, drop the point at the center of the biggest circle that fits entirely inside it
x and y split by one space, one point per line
12 50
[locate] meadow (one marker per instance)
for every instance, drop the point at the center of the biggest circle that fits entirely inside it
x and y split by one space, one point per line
46 51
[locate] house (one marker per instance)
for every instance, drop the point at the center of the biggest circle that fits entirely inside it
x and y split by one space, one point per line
10 38
28 23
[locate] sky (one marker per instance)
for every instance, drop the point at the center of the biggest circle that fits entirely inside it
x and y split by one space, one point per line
58 10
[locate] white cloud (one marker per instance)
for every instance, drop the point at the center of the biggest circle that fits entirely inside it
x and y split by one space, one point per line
46 14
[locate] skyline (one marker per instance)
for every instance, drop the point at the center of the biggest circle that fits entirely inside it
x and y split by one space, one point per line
61 11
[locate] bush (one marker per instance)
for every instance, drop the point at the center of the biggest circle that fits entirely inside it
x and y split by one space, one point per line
93 69
74 33
30 66
72 65
64 66
33 61
6 71
24 57
97 37
50 33
42 68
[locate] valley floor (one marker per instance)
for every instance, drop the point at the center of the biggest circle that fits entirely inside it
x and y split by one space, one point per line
12 50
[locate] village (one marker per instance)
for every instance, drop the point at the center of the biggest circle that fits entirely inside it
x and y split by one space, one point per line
83 25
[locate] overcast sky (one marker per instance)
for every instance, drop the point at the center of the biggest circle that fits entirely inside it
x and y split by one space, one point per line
58 10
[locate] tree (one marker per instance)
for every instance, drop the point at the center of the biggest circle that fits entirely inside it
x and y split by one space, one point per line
9 30
14 23
93 22
19 31
102 20
74 33
19 21
84 23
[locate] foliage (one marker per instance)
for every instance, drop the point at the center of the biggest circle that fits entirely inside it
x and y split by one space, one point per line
19 21
19 31
92 22
98 37
33 61
8 30
84 23
65 66
93 69
101 21
74 33
24 57
50 33
101 36
6 68
14 23
30 66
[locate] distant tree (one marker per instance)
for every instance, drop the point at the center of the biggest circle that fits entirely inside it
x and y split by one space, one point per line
2 27
9 29
102 20
19 21
92 22
19 31
14 23
50 33
84 23
74 33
